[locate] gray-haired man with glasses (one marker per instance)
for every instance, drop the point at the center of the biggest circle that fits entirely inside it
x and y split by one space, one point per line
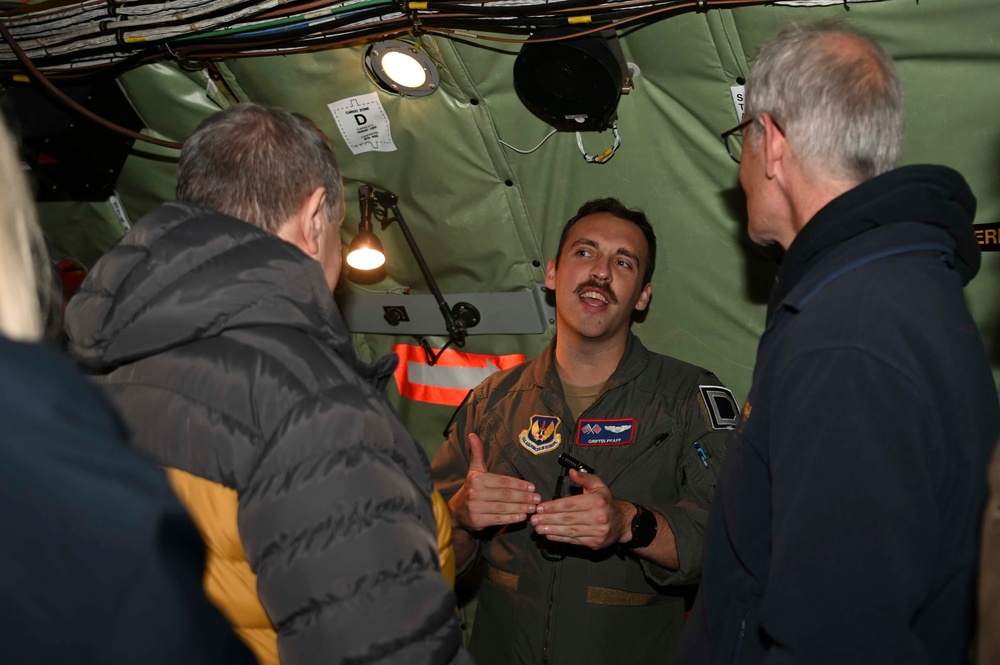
844 527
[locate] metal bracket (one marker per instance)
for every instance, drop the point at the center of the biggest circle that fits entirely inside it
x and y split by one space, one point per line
515 313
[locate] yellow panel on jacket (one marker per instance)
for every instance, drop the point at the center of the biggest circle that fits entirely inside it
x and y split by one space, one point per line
229 581
446 549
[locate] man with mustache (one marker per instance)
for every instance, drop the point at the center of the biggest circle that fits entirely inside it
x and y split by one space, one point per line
592 569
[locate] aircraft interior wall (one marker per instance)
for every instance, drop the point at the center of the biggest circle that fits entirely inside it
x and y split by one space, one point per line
487 216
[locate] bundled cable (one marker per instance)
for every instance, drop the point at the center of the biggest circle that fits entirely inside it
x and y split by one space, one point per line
62 38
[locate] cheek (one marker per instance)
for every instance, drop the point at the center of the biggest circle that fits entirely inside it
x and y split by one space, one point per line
748 192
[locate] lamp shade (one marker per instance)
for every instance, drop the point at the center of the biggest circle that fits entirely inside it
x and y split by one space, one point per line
365 252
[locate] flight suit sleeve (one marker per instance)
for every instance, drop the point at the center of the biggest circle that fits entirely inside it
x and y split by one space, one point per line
706 418
450 466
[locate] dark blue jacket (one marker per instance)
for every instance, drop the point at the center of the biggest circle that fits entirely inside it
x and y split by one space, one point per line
844 528
98 561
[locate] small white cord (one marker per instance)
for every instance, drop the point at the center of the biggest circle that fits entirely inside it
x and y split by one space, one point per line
528 152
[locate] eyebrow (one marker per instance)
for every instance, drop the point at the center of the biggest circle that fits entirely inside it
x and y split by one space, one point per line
623 251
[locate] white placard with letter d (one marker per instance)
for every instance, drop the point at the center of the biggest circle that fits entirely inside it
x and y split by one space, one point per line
363 123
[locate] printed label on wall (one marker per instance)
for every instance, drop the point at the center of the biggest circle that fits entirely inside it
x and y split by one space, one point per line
119 209
363 123
739 100
988 236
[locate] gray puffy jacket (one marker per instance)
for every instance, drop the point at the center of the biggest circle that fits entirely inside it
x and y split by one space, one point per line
225 352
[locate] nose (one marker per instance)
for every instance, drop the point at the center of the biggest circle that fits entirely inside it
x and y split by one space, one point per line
601 270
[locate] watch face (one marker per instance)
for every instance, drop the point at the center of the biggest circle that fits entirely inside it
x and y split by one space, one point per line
643 528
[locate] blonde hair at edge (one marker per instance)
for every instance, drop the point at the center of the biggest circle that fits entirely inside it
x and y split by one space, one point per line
22 250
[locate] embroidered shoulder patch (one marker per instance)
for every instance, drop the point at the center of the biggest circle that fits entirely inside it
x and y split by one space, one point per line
542 435
618 432
721 406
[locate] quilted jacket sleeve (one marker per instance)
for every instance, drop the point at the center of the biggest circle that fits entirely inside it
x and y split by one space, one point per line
338 524
451 464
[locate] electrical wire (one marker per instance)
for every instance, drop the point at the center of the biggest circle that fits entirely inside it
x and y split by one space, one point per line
98 38
605 156
38 76
88 28
531 150
61 35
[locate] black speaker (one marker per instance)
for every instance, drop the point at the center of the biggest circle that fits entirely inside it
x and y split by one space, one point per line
573 84
71 158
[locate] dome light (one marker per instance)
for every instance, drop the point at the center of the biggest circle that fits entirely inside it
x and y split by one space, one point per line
402 68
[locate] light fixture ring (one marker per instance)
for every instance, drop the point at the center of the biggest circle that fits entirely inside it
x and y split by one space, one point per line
402 68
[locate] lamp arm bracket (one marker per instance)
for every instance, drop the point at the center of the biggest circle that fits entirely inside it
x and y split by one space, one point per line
458 319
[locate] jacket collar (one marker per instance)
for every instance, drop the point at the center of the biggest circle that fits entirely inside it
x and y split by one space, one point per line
187 272
916 207
875 245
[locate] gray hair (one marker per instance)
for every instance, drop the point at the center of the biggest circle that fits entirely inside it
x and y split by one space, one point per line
258 164
840 108
24 289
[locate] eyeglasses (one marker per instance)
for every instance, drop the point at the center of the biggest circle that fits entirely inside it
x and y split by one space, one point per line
733 139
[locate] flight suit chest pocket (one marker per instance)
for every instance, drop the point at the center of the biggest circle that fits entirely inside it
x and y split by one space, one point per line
498 440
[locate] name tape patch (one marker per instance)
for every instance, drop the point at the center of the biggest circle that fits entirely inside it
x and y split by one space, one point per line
617 432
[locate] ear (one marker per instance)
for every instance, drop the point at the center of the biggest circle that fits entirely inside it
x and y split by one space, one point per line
304 228
643 302
550 275
775 147
314 208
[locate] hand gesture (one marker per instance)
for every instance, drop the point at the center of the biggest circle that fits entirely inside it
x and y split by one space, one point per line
594 519
488 499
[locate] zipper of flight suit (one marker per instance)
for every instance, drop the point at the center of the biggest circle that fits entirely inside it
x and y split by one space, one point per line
550 604
548 614
555 570
552 587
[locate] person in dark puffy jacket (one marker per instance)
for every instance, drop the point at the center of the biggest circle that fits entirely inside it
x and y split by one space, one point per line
99 563
213 326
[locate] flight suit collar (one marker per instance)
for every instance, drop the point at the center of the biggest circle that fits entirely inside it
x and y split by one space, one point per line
545 375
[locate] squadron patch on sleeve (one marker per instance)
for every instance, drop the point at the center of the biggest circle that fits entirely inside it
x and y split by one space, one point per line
721 406
542 435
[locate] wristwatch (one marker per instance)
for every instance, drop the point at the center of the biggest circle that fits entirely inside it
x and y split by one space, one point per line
643 528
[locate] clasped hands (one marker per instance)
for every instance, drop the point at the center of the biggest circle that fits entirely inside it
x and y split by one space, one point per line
593 519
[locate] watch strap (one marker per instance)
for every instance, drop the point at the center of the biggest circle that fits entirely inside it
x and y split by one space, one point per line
644 528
